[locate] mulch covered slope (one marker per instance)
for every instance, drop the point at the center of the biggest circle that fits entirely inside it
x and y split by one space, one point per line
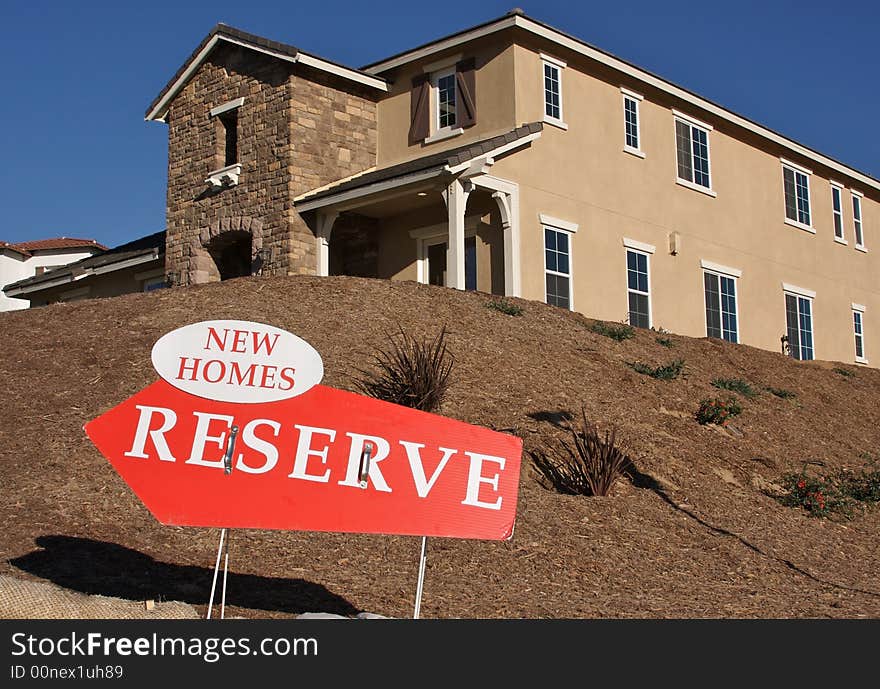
694 536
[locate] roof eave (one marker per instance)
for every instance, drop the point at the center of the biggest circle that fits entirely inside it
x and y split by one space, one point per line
577 45
309 201
57 279
159 110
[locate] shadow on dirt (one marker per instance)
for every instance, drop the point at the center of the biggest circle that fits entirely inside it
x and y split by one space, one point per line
108 569
648 482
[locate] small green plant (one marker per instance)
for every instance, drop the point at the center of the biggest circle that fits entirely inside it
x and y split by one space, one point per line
669 371
845 372
717 411
781 393
861 486
816 495
616 331
665 341
590 463
505 307
411 372
735 385
836 495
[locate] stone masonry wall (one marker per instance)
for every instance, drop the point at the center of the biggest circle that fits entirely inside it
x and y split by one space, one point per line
334 136
293 134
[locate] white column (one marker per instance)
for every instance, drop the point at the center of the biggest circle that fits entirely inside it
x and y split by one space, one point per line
456 202
324 229
508 205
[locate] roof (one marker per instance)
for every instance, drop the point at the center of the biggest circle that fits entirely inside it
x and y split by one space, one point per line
222 32
434 161
137 251
518 19
29 248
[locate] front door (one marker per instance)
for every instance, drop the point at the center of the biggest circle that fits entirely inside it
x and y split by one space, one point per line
437 263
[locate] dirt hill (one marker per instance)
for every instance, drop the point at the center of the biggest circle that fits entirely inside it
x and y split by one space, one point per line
693 534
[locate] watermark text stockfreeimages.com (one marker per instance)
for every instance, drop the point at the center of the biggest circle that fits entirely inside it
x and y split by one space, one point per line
210 649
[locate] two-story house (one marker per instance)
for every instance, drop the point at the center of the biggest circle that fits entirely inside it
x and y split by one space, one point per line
33 259
515 159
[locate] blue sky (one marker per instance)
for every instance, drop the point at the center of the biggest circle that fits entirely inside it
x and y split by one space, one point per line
79 160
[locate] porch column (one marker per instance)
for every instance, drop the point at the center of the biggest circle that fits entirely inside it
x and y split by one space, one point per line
324 229
456 197
508 206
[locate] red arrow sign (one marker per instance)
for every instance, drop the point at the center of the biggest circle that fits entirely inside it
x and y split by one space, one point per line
296 464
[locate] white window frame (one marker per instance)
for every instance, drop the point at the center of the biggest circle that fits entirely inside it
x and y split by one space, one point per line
859 309
809 295
837 215
806 172
645 250
636 98
860 222
569 229
436 130
721 271
707 129
558 65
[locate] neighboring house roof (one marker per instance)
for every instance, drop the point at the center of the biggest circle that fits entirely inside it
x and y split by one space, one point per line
29 248
159 107
14 248
426 165
517 18
138 251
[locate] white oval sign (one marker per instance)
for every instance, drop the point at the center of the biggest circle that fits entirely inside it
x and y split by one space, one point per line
237 361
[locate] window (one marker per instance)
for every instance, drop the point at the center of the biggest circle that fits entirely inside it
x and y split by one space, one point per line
226 136
632 140
638 289
796 185
837 212
154 284
444 90
799 325
552 75
721 314
229 120
692 149
857 220
557 267
858 313
443 100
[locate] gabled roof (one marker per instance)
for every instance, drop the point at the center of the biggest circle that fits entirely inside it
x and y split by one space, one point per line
424 166
282 51
29 248
138 251
518 19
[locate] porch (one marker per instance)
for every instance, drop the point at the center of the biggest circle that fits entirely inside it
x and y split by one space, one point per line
441 219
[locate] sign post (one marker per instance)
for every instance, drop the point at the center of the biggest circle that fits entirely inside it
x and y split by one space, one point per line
299 455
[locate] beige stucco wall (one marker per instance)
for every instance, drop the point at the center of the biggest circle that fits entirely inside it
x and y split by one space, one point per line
582 175
494 102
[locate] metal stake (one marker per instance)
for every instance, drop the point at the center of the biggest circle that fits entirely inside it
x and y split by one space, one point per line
216 570
224 536
421 581
225 573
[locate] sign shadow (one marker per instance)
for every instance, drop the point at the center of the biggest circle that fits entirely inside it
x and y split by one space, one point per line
108 569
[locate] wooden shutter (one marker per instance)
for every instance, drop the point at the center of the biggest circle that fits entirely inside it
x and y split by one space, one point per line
465 81
420 109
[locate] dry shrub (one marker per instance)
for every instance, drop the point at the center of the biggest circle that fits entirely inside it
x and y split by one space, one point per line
411 372
588 463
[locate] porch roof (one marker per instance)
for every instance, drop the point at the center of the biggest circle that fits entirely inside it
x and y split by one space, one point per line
418 168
